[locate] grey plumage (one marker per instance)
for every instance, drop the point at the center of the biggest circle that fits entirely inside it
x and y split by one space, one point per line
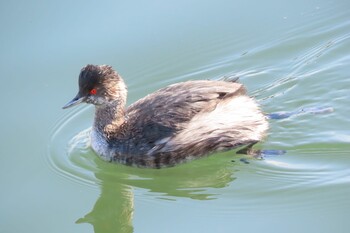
172 125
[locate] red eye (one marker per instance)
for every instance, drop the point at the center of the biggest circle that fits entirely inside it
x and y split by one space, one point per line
93 91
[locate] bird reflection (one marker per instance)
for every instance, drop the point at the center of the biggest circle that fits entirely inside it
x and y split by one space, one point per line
113 210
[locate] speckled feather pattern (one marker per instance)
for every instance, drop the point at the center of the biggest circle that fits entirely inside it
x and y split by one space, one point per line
172 125
178 123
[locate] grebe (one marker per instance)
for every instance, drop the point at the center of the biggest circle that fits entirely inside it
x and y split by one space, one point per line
172 125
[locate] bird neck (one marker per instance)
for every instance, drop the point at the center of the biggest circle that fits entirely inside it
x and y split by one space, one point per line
109 118
111 115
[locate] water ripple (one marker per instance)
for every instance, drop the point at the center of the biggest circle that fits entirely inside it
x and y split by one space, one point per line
65 142
286 74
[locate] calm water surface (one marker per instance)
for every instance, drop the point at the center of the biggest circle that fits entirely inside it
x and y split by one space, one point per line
290 55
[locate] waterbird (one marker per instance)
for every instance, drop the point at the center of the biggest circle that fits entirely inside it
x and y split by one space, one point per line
175 124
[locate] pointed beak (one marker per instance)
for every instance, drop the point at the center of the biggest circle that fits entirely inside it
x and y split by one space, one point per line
75 101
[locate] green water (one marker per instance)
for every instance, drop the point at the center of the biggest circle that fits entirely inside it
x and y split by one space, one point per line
290 55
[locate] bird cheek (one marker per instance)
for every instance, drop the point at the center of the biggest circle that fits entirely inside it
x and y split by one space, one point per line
90 99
